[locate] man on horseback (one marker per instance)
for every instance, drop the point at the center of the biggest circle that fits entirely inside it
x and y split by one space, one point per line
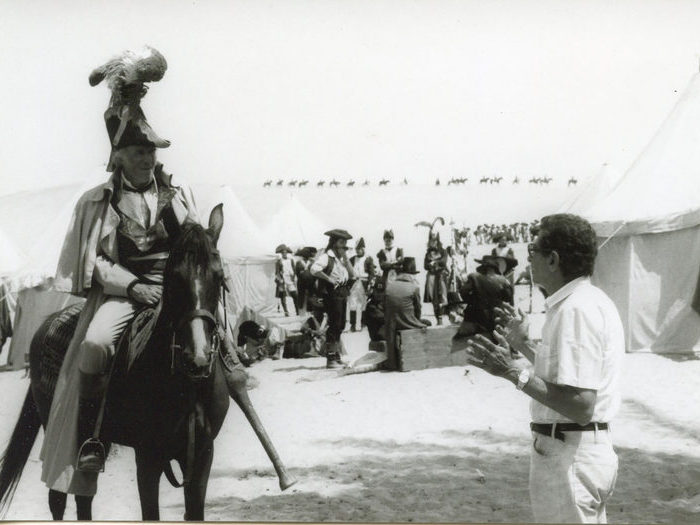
114 253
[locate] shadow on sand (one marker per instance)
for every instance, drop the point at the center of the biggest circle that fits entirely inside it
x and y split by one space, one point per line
377 480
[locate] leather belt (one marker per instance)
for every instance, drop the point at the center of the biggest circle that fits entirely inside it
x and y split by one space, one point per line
559 428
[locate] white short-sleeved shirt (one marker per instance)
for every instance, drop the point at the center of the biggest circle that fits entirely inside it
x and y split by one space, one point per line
583 344
338 270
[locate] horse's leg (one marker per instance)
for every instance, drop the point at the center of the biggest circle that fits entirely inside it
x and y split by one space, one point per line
84 505
149 467
196 489
57 504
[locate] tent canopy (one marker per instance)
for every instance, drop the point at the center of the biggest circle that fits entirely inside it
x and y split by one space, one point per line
240 236
11 257
592 190
295 225
661 190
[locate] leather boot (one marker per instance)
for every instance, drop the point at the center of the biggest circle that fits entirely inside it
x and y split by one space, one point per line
353 320
91 455
333 356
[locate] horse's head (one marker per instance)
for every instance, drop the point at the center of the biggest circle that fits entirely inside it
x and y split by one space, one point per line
192 287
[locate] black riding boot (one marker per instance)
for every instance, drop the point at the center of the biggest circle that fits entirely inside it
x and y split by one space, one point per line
91 455
353 320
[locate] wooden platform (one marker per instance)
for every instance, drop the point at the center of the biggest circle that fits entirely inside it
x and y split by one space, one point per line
431 347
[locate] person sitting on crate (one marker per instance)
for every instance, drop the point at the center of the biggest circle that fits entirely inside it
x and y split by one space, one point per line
402 308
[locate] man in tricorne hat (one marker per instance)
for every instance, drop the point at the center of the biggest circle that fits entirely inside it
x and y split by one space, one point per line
364 270
114 253
389 257
335 275
483 291
305 281
402 307
285 279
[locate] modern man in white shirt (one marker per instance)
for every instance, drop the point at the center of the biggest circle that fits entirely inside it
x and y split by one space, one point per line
574 379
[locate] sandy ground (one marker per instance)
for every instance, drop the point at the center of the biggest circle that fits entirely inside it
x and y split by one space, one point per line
437 445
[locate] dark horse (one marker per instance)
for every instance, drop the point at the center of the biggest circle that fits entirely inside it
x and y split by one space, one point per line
170 403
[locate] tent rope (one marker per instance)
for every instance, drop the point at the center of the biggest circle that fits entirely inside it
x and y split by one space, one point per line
612 235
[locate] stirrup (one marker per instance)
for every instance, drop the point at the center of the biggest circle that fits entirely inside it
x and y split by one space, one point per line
91 456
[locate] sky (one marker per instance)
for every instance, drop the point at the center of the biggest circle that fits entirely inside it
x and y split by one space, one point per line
421 89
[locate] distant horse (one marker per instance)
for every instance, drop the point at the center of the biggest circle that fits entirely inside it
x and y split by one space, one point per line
292 183
320 183
496 180
572 181
484 180
280 182
334 183
384 182
267 183
351 183
303 183
169 404
546 180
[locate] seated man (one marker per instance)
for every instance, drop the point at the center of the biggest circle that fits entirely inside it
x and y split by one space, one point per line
484 290
402 307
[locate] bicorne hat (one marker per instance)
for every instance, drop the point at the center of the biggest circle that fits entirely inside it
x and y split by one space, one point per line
360 243
283 248
388 234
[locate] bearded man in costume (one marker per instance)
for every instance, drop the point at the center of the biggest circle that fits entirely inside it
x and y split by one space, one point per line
114 254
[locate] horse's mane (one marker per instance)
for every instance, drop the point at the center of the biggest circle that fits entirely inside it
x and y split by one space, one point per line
192 252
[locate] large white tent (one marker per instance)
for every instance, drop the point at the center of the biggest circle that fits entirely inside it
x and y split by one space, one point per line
296 226
649 236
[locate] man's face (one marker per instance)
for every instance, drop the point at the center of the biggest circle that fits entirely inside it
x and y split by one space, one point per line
360 252
538 262
388 243
138 162
341 247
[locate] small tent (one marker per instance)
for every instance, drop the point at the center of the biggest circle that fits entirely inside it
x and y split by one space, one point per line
649 236
296 226
249 257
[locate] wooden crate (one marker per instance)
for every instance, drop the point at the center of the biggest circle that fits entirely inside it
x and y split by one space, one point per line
431 347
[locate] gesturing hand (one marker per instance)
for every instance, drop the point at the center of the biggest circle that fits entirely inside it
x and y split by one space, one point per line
515 327
146 293
493 358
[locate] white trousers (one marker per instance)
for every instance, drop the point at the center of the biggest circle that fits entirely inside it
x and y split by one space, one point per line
571 480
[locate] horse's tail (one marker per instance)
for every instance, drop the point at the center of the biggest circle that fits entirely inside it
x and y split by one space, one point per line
17 452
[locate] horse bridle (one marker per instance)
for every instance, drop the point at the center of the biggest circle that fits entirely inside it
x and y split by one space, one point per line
176 349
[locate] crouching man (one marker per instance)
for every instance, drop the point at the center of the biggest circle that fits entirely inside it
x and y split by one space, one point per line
573 380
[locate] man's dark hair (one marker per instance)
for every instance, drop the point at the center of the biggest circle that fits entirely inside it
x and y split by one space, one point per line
574 239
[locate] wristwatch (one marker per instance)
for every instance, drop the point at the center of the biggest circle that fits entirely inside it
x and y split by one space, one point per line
523 378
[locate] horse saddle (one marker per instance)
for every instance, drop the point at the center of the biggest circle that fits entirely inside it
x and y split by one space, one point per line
60 330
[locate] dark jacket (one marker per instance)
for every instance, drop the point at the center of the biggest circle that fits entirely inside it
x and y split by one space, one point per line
402 310
482 293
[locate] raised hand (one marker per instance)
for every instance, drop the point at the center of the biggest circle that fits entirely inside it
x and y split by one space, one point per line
513 326
493 358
